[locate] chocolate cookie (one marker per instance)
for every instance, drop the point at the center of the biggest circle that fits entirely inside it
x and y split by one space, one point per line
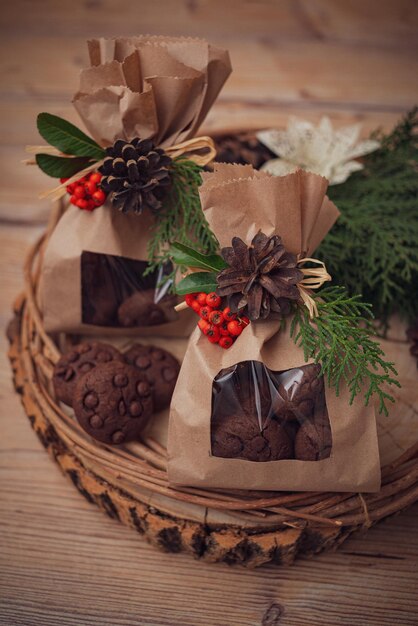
113 402
78 361
313 440
159 367
297 392
141 310
240 436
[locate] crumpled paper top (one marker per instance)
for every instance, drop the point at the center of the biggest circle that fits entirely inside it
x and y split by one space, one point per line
150 87
238 201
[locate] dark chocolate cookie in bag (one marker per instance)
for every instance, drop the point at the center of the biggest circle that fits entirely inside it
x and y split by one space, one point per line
142 100
259 415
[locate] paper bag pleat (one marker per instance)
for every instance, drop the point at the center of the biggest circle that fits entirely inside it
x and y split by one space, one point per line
185 76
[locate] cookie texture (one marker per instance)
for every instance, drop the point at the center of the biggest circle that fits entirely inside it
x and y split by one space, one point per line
241 437
160 369
313 440
297 393
73 365
113 402
141 310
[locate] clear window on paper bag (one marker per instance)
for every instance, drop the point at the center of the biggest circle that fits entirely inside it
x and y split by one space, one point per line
115 292
261 415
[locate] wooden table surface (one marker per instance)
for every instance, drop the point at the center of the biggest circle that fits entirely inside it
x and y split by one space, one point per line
61 560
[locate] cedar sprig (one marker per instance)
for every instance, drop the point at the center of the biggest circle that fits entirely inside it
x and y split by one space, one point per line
372 249
340 338
181 219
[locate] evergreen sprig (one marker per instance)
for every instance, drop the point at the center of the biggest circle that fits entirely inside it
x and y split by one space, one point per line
372 249
181 219
341 340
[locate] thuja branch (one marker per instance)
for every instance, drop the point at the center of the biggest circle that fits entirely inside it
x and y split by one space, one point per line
341 340
181 219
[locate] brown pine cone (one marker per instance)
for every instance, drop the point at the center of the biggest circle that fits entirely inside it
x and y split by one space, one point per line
261 278
135 175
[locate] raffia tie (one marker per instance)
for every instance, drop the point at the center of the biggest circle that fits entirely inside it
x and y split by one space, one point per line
314 278
200 150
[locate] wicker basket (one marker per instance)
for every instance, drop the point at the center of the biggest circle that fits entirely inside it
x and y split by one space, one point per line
130 483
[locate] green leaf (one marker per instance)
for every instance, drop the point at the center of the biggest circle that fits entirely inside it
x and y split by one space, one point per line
188 257
198 281
61 167
67 138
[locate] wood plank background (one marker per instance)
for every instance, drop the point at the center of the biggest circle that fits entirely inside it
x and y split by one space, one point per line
61 561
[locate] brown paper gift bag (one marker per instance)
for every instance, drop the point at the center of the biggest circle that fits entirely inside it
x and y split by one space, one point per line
151 87
239 202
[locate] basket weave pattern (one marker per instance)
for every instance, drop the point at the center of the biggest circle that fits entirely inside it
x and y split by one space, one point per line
130 483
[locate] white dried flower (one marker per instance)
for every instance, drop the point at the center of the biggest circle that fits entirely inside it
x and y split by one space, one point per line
319 149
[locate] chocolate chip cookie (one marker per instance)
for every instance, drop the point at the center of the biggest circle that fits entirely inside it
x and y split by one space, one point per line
113 402
78 361
240 437
141 310
313 440
160 369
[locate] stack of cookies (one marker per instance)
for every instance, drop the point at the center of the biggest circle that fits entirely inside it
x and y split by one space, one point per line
114 395
260 415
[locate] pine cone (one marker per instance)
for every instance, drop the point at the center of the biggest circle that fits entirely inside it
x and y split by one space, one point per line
242 148
261 279
136 175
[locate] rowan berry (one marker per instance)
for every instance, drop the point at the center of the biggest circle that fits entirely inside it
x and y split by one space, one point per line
196 306
226 342
213 300
90 187
86 188
205 311
80 192
212 333
95 177
235 328
82 204
99 197
190 297
203 325
216 317
201 298
228 315
223 329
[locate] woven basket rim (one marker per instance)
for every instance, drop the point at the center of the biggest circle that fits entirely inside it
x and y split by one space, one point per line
143 464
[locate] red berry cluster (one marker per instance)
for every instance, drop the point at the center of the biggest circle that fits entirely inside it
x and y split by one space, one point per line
86 192
219 324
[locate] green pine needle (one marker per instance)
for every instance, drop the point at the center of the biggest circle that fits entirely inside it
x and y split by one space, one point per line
341 340
372 249
181 219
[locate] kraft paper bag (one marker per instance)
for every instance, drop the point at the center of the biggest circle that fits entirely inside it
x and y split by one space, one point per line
108 249
147 87
239 202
